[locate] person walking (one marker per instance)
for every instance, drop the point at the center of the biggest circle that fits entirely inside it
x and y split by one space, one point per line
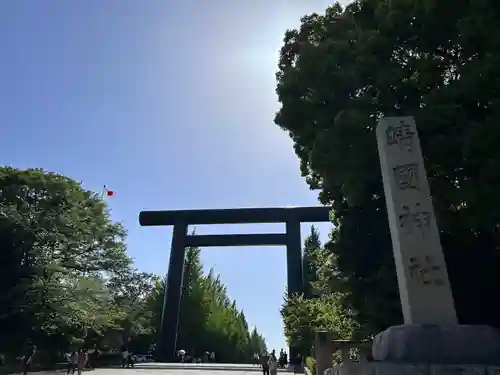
152 351
182 355
27 358
273 364
90 359
131 359
82 360
297 364
72 362
94 356
265 364
124 355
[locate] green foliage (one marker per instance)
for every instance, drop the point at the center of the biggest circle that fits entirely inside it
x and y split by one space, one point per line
344 69
66 280
209 319
303 317
324 308
311 255
311 364
57 243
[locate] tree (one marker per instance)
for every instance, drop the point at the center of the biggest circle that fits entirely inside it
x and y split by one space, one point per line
54 236
312 250
195 308
131 292
323 303
303 317
209 319
343 70
257 343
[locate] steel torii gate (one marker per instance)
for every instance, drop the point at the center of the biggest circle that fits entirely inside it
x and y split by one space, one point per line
181 219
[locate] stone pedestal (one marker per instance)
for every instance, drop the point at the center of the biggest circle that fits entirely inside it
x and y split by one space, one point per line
438 344
422 349
323 351
387 368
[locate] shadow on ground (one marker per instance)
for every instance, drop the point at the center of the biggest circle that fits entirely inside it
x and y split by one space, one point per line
202 366
196 366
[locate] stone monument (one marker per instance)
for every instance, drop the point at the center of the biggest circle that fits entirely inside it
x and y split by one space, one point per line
431 342
431 333
424 288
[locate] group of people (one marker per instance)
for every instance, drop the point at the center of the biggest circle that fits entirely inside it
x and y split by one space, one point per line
80 359
77 359
206 357
283 359
269 363
128 357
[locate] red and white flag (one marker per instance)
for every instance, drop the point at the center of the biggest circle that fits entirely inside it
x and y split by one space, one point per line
107 193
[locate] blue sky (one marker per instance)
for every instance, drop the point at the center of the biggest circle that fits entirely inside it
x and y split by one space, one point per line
171 105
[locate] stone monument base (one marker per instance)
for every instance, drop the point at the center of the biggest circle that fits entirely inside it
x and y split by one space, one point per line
438 344
386 368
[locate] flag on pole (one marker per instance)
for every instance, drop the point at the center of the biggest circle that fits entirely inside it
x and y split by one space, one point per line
107 193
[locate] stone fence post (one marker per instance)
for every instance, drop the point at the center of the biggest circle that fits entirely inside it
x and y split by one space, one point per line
323 351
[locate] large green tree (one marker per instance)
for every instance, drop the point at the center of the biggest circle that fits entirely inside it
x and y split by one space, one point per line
343 70
57 240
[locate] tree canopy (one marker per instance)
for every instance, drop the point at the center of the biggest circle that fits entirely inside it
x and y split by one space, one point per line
343 70
66 279
210 320
323 303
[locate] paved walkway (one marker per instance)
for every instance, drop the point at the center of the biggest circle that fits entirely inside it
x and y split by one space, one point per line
193 369
172 369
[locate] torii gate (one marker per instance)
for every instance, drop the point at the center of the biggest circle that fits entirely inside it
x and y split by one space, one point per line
181 219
